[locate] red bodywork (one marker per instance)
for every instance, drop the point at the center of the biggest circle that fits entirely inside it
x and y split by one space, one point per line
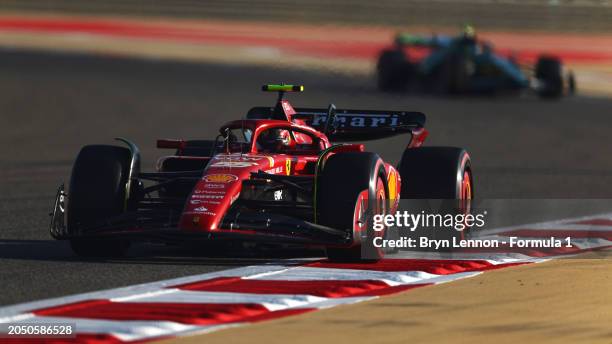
221 182
261 179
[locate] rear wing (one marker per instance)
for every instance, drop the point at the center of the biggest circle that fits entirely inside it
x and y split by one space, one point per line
354 125
363 125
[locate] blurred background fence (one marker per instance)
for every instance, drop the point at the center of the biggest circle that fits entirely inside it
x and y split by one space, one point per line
554 15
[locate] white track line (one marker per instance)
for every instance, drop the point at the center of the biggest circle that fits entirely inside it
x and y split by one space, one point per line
272 302
330 274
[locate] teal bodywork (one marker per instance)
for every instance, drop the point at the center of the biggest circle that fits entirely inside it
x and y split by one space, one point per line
487 70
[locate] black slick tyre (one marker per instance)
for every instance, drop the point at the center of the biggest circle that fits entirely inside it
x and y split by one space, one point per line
548 71
97 192
393 71
346 179
438 173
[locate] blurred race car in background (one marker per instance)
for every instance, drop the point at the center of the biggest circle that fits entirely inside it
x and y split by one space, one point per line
466 65
273 178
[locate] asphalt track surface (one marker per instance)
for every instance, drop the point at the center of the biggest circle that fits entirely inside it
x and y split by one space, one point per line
51 105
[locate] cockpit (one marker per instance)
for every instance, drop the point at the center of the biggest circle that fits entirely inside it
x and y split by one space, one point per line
288 141
246 137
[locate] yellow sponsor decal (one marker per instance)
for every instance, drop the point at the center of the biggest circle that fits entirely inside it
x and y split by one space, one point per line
271 159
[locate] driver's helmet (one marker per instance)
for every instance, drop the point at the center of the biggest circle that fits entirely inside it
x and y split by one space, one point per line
273 140
468 32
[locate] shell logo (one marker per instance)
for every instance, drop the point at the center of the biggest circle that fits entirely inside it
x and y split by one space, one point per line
392 184
220 178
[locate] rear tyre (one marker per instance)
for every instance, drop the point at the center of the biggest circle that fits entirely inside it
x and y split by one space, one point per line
439 173
346 186
434 172
97 192
393 71
548 71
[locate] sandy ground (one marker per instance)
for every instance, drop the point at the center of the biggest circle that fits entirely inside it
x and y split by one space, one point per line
561 301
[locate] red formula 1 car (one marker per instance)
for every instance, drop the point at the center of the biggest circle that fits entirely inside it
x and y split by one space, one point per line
273 177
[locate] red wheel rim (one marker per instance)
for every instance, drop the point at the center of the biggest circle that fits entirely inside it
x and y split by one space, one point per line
380 208
466 186
465 197
360 222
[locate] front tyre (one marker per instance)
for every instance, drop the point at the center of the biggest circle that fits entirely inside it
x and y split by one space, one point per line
571 83
352 188
97 192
